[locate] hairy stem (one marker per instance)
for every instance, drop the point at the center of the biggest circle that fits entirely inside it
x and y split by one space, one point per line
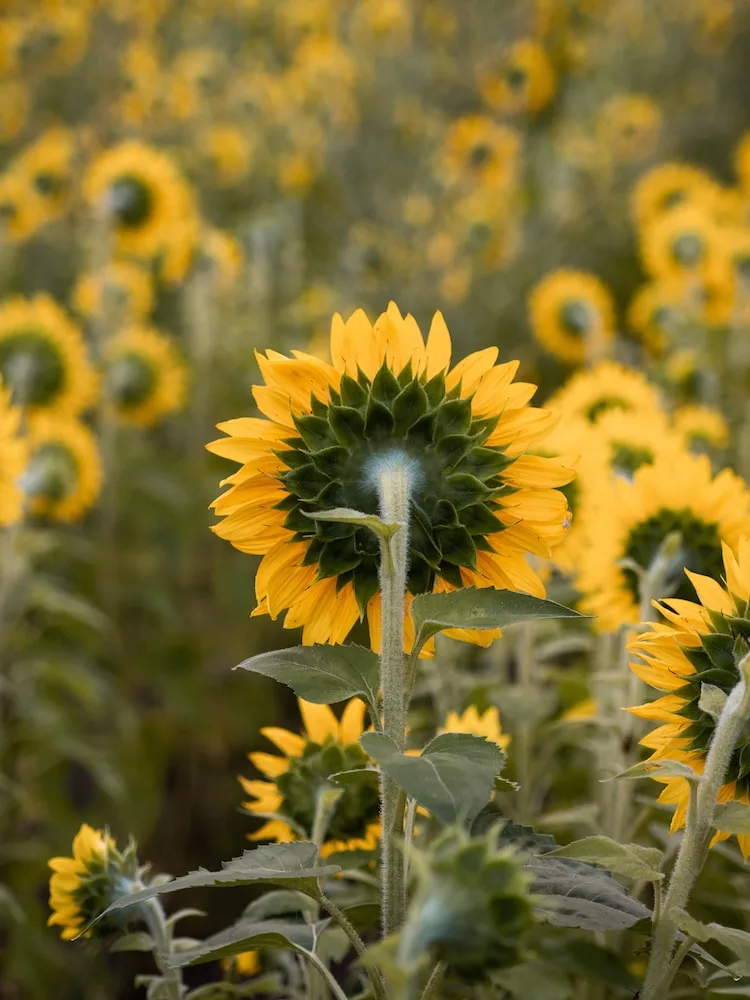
357 943
160 932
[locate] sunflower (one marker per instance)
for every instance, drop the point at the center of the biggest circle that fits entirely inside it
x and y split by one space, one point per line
701 427
692 644
63 477
121 291
43 357
46 166
20 212
246 964
141 81
606 386
572 315
675 495
297 779
480 151
487 725
382 23
227 152
667 185
14 450
144 375
658 311
83 886
521 80
478 505
635 439
221 254
628 127
142 193
684 243
196 81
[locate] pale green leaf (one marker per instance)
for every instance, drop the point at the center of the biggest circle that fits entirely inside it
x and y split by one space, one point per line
732 817
246 936
735 940
712 700
658 769
630 860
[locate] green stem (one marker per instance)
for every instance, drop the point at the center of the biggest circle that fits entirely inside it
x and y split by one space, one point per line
699 829
434 982
394 490
325 973
522 741
160 932
378 988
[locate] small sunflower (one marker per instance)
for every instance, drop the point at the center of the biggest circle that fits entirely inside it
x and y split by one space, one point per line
701 427
522 80
668 185
382 23
479 151
43 357
47 166
674 495
632 440
676 656
83 886
121 291
14 107
486 724
607 386
628 127
227 152
143 194
682 243
658 311
14 449
21 213
144 376
289 798
479 504
220 254
246 964
63 476
572 315
141 81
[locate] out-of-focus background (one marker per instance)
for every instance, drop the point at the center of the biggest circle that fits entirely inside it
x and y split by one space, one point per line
185 181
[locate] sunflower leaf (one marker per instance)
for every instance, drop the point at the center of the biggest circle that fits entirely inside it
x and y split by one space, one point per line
735 940
732 817
246 935
712 700
631 860
657 769
322 674
484 608
346 515
453 777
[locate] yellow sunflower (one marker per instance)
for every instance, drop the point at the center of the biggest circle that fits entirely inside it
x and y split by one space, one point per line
668 185
20 212
486 724
635 439
607 386
196 81
628 127
47 166
382 23
63 477
659 309
701 427
673 657
480 151
140 190
43 357
246 964
572 315
144 375
121 291
222 254
479 504
675 495
227 152
14 449
141 81
83 886
683 243
521 80
289 798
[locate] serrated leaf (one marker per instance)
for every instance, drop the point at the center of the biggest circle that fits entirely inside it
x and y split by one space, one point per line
658 769
322 674
483 608
631 860
732 817
453 777
737 941
246 935
712 700
576 894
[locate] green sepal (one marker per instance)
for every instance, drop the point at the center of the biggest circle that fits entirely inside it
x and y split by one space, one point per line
379 422
463 489
435 389
452 449
352 393
385 387
454 417
347 424
478 519
329 460
410 404
457 546
366 586
720 649
485 462
315 432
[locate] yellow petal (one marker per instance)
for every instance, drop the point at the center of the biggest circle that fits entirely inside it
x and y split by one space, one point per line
352 721
319 720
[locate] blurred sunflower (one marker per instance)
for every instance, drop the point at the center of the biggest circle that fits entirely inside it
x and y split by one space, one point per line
195 82
479 503
684 243
14 449
676 495
658 310
701 427
607 386
141 82
480 151
144 376
63 477
46 166
221 254
628 127
246 964
120 291
522 79
14 107
43 357
668 185
143 194
486 724
227 152
289 799
54 39
635 439
20 212
385 24
693 644
572 314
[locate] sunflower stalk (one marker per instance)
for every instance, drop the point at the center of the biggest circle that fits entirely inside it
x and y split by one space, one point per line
157 924
394 491
699 829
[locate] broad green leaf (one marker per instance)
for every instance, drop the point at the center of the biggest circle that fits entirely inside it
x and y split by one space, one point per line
712 700
735 940
592 962
357 776
480 609
576 894
658 769
292 866
732 817
322 674
280 903
537 980
247 935
631 860
453 777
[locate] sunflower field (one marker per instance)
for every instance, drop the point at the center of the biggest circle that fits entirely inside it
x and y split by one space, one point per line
374 499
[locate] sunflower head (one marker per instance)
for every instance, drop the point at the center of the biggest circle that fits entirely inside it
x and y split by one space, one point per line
120 291
522 79
684 242
47 166
479 151
572 315
83 886
694 646
478 504
14 449
63 477
628 126
669 185
145 377
701 427
486 724
588 395
636 439
290 798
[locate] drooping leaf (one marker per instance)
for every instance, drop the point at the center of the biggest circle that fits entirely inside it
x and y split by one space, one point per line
631 860
658 769
712 700
279 903
346 515
246 935
453 777
322 674
737 941
732 817
480 608
138 941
